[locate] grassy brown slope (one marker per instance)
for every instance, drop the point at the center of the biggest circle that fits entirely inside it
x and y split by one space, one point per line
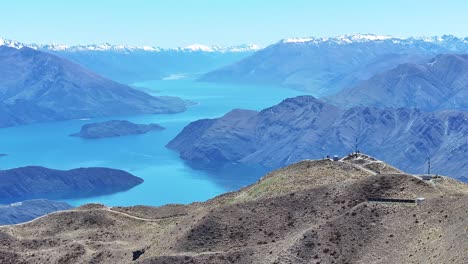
309 212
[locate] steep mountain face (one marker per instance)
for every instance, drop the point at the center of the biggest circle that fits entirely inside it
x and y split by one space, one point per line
324 66
28 210
309 212
442 83
304 127
42 183
36 86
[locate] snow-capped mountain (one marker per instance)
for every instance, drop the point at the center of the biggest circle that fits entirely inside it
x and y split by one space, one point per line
129 64
12 43
323 66
339 39
239 48
127 48
360 38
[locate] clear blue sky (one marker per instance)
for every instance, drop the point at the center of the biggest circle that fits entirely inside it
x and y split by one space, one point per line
170 23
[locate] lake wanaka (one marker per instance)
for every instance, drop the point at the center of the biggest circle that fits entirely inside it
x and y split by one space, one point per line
167 178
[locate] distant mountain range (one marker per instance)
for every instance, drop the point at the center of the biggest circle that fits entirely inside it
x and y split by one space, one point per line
323 66
304 127
37 86
441 83
128 48
129 64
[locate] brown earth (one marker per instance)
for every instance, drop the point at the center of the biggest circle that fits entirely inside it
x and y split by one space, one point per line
309 212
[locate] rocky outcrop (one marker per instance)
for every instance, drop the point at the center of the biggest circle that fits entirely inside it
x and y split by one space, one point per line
42 183
115 128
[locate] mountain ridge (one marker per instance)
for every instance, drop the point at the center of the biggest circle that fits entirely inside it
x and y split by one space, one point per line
38 87
312 211
441 83
304 127
350 38
323 66
129 48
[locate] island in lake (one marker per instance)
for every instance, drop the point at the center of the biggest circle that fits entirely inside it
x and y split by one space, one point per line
115 128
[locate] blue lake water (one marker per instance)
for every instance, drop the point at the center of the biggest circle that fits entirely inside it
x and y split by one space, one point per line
167 178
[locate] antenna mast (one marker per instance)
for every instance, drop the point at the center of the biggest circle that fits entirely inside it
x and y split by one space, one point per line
428 166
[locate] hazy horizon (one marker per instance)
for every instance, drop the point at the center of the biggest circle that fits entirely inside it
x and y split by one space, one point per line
182 23
221 46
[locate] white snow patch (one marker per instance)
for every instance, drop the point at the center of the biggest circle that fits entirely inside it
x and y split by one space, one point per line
176 76
200 47
298 40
